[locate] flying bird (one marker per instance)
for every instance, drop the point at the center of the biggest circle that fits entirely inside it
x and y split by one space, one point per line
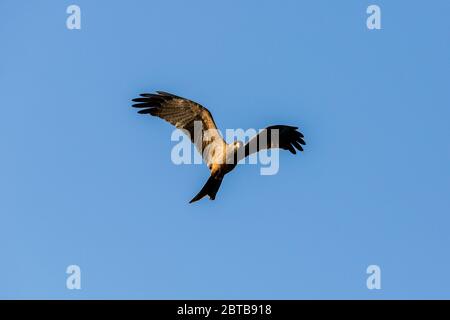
219 156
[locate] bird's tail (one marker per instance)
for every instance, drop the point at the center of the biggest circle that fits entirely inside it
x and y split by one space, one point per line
209 189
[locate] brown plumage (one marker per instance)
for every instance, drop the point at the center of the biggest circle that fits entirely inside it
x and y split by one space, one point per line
220 157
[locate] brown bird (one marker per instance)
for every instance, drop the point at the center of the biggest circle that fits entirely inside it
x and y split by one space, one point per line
219 156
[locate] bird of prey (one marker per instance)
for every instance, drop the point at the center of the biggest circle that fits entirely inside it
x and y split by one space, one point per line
219 156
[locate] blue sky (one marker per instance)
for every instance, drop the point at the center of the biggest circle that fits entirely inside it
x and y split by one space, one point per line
87 181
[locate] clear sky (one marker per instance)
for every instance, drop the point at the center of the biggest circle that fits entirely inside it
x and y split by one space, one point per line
84 180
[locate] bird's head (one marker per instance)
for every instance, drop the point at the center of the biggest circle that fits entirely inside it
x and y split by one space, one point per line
238 144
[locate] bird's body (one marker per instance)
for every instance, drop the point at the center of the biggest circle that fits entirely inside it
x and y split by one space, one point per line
222 159
198 123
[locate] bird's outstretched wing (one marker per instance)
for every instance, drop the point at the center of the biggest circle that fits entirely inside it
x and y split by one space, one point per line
183 114
279 136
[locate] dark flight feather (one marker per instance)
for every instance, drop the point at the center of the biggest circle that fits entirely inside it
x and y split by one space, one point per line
180 112
288 139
